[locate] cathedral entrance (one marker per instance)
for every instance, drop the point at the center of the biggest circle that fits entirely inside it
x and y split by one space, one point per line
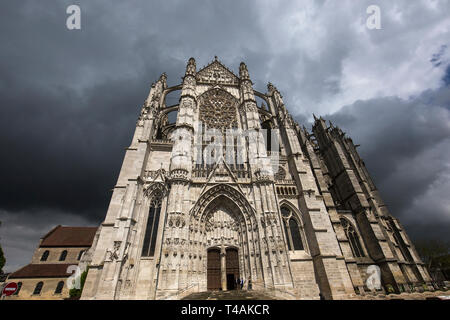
224 232
214 271
222 269
223 238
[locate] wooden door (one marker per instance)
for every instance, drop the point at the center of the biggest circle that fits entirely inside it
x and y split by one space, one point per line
232 264
213 270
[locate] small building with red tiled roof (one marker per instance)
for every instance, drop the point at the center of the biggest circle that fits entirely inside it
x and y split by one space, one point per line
54 261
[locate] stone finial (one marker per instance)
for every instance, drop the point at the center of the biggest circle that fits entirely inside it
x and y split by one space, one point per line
191 67
163 80
271 88
243 72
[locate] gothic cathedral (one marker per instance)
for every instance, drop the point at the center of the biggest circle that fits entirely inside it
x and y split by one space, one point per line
295 213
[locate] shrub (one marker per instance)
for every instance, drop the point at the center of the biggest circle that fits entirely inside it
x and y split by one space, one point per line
76 293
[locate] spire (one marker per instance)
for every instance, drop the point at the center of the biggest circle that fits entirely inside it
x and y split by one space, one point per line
163 80
272 90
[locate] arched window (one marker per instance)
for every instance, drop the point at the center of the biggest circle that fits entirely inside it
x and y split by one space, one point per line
295 234
267 134
353 238
151 231
287 236
159 134
172 117
44 256
63 255
59 287
400 242
80 254
19 286
38 288
292 230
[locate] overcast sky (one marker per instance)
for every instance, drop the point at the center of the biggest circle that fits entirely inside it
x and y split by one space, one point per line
69 99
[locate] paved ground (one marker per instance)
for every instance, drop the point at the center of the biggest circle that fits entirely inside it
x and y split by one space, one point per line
262 295
230 295
407 296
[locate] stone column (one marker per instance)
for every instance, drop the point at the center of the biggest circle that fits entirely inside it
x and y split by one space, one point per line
176 239
223 267
250 120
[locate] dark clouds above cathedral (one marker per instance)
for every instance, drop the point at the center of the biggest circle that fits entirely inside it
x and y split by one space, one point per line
69 99
406 146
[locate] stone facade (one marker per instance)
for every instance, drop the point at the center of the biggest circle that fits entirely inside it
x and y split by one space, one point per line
303 219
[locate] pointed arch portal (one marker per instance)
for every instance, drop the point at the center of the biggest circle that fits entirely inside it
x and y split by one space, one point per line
224 234
228 232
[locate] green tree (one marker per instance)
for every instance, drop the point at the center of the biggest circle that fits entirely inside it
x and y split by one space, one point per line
76 293
433 251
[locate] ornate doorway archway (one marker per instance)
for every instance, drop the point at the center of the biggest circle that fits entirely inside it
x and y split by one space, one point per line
223 224
223 236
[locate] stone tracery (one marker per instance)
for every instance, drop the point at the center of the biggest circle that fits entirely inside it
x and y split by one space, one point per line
218 109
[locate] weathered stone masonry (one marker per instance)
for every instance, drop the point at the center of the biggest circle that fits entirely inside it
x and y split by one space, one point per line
175 226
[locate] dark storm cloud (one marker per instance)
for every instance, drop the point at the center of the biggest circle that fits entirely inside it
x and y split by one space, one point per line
446 78
69 103
69 99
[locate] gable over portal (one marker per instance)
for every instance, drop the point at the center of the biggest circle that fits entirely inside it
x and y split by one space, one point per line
216 73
